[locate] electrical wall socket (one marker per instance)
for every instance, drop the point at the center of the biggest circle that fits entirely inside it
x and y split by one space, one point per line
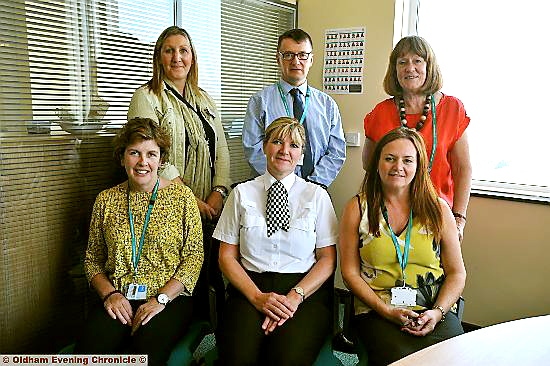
352 138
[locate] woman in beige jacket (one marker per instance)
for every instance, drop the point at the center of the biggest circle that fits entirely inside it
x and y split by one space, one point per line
199 156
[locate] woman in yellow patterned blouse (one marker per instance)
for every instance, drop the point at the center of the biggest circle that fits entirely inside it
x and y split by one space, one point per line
144 252
400 253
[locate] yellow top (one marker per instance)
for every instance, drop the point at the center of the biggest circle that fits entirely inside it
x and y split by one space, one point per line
173 242
381 270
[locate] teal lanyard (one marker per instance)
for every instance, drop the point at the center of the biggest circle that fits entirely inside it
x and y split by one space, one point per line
434 134
137 255
285 103
403 258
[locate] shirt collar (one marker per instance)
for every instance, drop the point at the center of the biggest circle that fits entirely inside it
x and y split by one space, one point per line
287 87
287 181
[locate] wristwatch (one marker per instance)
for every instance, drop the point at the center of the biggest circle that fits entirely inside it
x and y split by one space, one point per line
220 190
163 299
300 291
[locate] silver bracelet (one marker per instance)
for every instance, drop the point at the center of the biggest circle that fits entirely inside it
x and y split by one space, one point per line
440 308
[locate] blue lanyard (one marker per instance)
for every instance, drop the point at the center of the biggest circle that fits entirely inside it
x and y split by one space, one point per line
137 255
434 134
285 103
403 258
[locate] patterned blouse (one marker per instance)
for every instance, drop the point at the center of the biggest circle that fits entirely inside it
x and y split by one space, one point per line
173 241
381 270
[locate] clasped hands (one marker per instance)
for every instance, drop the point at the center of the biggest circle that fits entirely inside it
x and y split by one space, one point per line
118 307
277 308
211 208
414 323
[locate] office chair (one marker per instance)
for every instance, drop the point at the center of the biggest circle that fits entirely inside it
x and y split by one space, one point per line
345 339
204 321
326 355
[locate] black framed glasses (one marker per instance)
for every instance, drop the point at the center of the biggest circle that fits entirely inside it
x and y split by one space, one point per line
289 56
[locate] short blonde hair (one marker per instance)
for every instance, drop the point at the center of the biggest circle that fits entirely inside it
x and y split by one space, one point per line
286 126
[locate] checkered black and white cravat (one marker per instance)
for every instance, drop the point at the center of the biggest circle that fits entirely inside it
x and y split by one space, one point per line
278 215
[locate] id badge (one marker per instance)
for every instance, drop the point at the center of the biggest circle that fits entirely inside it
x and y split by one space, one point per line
136 291
403 296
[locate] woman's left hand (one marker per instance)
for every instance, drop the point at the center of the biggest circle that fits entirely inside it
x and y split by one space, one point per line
145 313
206 211
215 200
424 324
270 324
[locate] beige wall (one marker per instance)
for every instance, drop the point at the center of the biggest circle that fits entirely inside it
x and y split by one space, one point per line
315 16
506 243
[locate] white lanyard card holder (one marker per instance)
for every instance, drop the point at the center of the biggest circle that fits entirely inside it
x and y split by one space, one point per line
403 296
136 291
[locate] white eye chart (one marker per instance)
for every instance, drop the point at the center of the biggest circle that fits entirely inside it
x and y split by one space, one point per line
344 60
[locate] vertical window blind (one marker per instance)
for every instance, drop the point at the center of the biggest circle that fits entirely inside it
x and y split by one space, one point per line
250 30
243 61
68 69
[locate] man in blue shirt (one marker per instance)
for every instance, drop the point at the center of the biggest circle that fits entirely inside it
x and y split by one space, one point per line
325 150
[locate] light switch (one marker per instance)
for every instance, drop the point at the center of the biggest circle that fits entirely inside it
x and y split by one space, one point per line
352 138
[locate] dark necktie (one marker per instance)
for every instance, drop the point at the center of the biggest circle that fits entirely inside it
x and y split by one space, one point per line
277 212
298 110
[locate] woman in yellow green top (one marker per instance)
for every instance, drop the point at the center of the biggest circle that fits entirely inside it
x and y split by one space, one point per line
400 254
144 253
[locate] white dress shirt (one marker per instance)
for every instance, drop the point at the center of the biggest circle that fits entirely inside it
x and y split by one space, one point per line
313 224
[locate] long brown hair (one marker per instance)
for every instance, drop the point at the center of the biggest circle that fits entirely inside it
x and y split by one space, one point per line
423 196
155 84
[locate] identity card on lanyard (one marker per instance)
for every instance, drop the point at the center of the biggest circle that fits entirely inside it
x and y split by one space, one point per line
287 108
136 291
402 295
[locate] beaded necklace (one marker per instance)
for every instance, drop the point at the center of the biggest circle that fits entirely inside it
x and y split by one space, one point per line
423 117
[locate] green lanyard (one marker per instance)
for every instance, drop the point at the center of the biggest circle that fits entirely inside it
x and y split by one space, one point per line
403 258
137 255
434 134
285 103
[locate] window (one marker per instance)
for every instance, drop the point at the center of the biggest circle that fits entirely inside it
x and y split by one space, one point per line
80 60
68 69
246 33
489 60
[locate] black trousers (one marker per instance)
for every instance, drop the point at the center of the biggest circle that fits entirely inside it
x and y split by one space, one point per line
241 340
105 335
386 343
210 275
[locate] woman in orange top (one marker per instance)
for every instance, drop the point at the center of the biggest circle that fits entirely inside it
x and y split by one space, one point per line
414 80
